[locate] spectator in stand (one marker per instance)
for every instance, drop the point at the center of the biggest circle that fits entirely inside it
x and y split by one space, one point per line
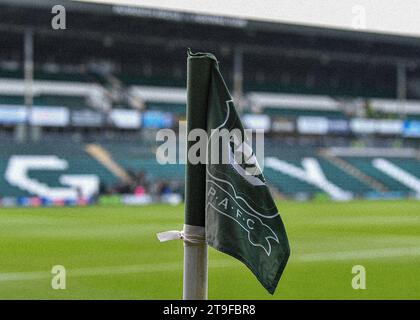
139 191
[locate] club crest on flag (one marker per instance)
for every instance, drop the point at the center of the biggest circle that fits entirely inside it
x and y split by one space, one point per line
241 217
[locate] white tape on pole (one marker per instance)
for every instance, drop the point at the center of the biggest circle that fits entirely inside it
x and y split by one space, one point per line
195 260
191 235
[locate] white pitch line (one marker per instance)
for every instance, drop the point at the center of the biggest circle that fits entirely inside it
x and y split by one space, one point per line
366 221
101 271
359 254
168 267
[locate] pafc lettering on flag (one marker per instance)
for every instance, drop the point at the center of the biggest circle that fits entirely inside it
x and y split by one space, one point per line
259 234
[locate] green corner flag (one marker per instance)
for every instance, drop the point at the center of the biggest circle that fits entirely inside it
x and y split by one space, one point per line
241 218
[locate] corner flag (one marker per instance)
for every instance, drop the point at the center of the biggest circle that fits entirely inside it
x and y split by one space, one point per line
228 204
241 216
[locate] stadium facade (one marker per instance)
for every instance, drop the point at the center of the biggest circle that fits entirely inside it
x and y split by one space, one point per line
80 106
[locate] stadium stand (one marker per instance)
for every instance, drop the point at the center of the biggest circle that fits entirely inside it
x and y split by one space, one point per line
367 165
10 99
101 100
74 162
294 113
76 102
302 164
291 170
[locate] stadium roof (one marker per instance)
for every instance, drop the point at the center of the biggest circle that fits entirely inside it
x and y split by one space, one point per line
375 16
327 17
174 28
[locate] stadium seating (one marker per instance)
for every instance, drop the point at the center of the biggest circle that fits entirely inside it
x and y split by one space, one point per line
74 102
410 165
302 88
178 109
291 170
141 157
132 79
293 113
62 76
11 99
365 164
289 184
77 160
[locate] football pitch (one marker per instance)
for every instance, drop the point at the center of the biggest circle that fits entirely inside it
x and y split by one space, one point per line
111 252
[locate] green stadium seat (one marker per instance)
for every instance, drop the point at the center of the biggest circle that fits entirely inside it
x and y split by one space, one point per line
292 113
179 109
9 99
365 165
73 102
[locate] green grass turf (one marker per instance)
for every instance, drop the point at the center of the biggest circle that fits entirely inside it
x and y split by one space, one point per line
113 253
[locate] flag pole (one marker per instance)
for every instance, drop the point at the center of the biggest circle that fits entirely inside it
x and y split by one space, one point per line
195 265
195 247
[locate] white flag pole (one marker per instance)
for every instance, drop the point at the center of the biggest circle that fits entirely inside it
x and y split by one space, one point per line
195 260
195 263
